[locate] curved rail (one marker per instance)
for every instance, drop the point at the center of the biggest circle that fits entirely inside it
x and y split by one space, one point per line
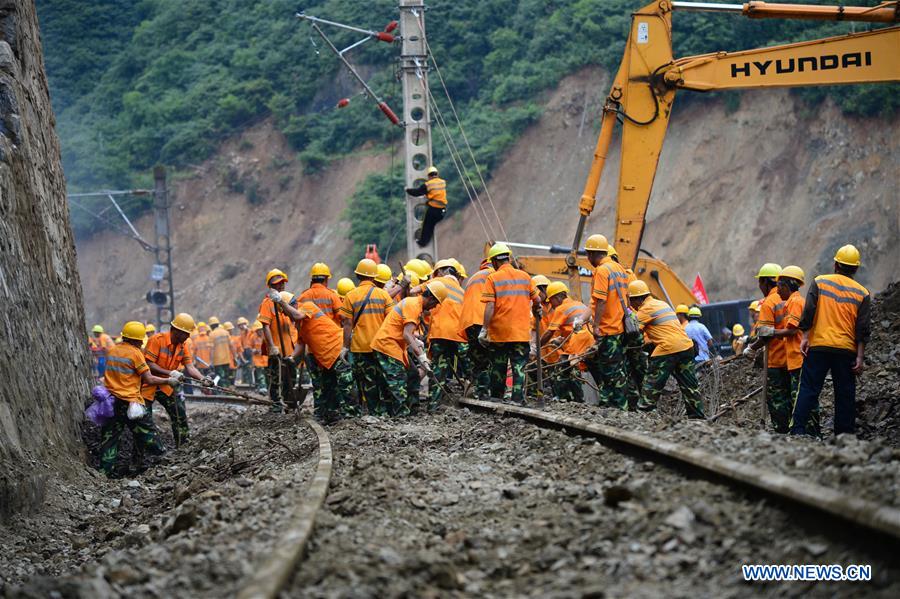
882 519
274 573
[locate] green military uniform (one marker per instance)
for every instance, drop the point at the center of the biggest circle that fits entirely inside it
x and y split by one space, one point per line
445 362
332 389
681 366
365 373
479 363
174 406
143 430
514 353
607 367
636 367
779 398
394 377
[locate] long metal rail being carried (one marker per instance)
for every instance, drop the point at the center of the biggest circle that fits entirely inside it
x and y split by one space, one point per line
858 513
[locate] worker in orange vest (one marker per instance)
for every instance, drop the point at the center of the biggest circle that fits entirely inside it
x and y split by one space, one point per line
100 344
202 347
279 335
789 282
259 360
568 335
510 298
221 351
246 341
836 325
444 336
435 190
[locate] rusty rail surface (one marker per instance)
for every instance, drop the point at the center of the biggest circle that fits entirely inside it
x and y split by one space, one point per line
882 519
273 573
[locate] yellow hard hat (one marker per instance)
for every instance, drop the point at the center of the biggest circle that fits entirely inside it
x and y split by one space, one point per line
754 305
695 311
769 270
97 329
345 286
286 296
637 288
445 263
319 269
460 269
432 170
498 249
275 276
213 320
257 325
793 272
183 322
202 324
228 326
611 251
847 255
384 273
540 280
242 320
420 267
737 330
681 309
150 327
438 290
134 330
596 243
555 288
367 268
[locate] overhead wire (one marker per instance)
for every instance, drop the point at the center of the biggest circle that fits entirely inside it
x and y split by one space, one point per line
461 130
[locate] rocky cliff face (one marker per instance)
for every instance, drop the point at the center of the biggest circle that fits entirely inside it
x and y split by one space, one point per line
43 359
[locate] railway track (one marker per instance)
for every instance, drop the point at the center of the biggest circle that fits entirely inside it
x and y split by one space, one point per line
861 515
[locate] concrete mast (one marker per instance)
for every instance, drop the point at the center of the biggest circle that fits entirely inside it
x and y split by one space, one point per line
416 119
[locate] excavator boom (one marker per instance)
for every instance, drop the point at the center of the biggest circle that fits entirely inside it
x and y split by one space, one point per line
643 92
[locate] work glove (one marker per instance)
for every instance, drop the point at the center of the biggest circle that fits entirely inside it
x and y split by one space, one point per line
274 296
537 310
576 326
483 337
425 363
274 352
344 356
747 351
556 342
207 382
290 360
173 381
176 374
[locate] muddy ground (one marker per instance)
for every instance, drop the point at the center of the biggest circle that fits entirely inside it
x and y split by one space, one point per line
451 504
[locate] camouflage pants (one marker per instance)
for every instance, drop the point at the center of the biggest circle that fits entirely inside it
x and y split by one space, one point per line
516 355
779 398
174 406
365 373
282 375
681 366
413 382
143 430
465 368
607 366
332 389
225 374
394 388
479 363
259 379
636 367
566 385
445 363
813 426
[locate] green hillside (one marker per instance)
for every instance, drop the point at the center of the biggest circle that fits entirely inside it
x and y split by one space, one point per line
138 83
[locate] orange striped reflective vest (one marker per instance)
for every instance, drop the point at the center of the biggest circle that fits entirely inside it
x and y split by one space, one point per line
838 304
437 192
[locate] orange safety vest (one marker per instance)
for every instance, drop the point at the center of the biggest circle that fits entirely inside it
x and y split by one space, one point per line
834 324
437 192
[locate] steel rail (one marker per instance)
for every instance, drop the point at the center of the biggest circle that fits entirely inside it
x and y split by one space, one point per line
273 574
858 513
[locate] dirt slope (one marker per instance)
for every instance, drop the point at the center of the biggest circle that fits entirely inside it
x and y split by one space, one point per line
224 243
771 181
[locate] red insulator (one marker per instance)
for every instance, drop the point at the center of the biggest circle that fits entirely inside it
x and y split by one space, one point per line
385 37
389 113
391 26
343 102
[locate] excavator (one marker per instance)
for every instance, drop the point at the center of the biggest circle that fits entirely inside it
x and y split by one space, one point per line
643 92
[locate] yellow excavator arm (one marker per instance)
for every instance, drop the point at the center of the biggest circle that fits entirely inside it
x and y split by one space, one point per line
644 89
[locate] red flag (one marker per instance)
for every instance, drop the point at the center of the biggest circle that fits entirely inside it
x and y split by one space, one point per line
700 291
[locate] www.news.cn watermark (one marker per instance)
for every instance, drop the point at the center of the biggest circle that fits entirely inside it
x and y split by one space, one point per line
806 572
